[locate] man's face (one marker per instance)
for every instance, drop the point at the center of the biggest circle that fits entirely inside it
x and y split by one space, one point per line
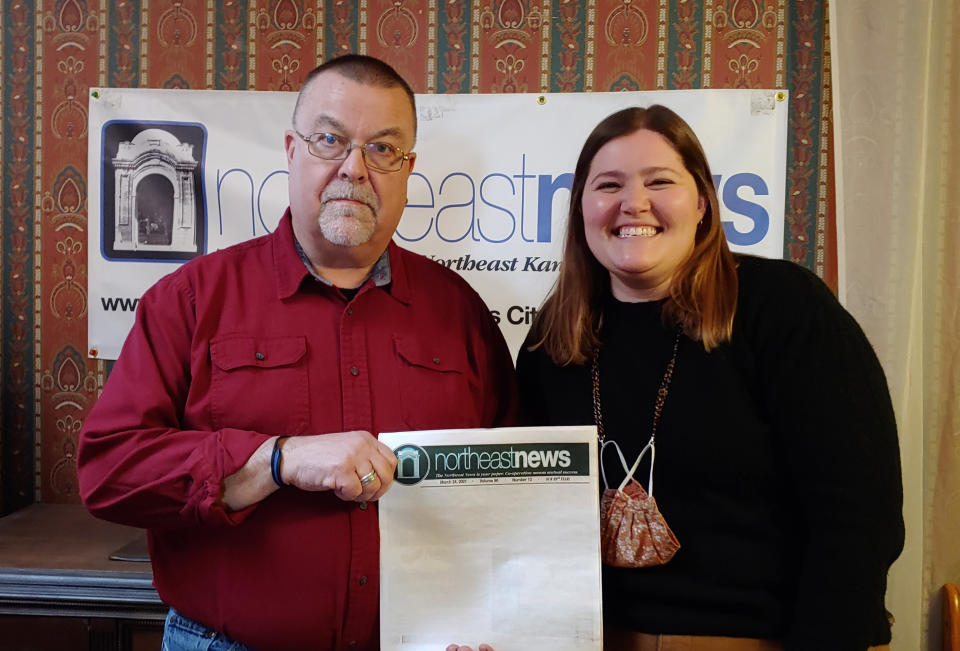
345 212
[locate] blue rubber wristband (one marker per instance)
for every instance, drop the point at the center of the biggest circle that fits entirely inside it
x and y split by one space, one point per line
275 459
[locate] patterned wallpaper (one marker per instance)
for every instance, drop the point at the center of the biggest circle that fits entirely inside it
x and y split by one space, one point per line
53 51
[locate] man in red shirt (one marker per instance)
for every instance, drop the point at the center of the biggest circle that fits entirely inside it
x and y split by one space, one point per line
238 425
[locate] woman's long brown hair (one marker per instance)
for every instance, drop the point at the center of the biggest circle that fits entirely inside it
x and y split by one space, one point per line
703 292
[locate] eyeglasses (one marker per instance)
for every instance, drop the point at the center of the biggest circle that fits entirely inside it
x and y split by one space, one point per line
380 156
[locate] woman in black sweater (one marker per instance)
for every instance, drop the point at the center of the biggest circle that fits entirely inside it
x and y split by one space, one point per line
777 464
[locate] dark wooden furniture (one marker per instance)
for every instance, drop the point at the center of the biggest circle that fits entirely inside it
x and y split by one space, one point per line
56 574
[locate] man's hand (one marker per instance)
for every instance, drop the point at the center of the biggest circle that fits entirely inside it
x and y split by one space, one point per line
320 462
337 462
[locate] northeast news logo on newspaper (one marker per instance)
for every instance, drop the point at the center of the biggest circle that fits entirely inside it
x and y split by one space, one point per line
516 462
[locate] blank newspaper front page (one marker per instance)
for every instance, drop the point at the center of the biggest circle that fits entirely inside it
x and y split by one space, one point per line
492 536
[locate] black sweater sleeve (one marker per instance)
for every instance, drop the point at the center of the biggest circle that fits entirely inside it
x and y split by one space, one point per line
822 386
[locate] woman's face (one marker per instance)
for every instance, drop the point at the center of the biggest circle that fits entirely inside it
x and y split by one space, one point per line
640 214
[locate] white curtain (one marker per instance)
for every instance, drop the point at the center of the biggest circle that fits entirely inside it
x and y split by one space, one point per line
897 142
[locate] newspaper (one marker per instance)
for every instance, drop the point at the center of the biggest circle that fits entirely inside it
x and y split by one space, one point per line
491 536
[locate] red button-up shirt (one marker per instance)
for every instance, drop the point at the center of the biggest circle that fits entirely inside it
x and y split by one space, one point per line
244 344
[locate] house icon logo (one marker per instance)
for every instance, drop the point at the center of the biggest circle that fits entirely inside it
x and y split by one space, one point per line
413 464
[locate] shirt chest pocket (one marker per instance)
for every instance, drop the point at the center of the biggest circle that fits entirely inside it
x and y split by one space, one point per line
260 384
436 385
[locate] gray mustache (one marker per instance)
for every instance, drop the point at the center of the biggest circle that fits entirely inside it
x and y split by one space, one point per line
345 190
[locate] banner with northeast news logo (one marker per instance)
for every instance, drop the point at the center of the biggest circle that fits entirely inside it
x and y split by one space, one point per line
175 174
491 536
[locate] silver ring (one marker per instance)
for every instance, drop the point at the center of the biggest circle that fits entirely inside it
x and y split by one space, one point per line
368 478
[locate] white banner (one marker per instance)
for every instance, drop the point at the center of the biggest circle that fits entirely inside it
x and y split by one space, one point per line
175 174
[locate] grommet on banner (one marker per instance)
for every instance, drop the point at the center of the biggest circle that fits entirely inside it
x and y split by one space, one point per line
95 94
542 100
781 96
93 352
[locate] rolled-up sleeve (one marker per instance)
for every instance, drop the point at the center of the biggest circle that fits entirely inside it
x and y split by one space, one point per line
137 462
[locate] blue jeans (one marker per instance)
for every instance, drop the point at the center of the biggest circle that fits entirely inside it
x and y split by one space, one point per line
184 634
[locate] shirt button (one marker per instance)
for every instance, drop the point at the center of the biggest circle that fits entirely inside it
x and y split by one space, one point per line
363 580
352 643
260 356
350 311
354 370
363 506
436 360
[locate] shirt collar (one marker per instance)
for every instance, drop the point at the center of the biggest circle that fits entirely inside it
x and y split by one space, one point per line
380 271
293 265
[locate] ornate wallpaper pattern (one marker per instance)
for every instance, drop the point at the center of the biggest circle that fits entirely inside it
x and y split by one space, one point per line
53 51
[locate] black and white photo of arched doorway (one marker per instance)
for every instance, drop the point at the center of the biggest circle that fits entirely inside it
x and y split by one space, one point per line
153 201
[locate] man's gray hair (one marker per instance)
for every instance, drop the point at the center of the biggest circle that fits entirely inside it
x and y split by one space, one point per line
362 69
